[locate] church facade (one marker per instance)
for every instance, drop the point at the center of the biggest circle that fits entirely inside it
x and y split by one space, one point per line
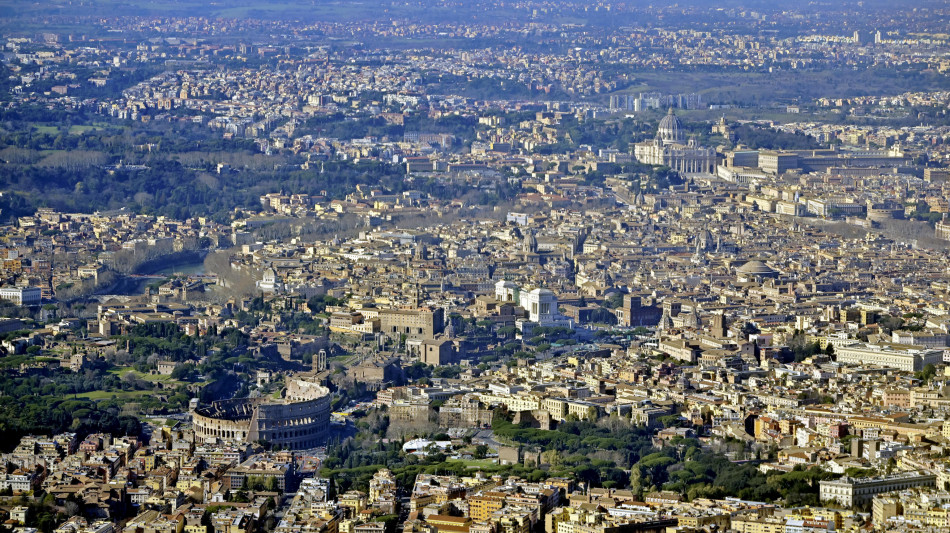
670 148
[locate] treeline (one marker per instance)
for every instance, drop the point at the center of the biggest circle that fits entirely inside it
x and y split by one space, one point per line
47 401
489 88
769 139
618 134
168 188
601 453
693 473
352 462
48 164
25 410
68 160
338 127
580 437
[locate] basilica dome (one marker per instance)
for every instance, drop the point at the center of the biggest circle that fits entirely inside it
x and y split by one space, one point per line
671 129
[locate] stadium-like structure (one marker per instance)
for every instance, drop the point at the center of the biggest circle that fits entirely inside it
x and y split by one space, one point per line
298 420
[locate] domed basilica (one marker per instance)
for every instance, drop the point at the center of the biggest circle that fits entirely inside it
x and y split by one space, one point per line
670 148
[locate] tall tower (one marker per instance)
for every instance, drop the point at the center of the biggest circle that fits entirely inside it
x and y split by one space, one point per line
530 245
666 322
416 297
718 328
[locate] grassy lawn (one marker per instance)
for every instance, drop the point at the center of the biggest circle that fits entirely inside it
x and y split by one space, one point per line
151 378
107 395
476 463
79 130
344 359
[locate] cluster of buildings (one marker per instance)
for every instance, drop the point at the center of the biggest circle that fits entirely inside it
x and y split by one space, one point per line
577 71
395 85
166 485
479 503
52 255
786 300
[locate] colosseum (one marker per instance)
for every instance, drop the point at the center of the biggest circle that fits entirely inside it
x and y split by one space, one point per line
298 420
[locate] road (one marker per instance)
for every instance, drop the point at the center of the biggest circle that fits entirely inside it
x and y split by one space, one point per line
487 437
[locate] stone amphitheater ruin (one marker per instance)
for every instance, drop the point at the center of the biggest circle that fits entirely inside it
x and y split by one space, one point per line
298 420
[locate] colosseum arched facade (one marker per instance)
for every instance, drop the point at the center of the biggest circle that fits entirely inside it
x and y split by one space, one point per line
298 420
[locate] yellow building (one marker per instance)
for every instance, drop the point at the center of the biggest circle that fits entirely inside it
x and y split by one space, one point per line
513 520
482 506
756 524
382 482
196 528
703 521
449 524
513 403
821 515
939 517
354 501
882 508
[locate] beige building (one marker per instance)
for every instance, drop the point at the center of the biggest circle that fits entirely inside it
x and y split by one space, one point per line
901 357
851 491
777 162
942 229
414 324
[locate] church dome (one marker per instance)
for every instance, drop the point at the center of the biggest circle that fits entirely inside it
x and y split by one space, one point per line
671 129
757 268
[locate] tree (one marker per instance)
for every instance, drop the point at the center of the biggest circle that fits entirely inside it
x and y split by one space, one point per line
927 373
614 301
890 323
183 372
331 488
72 508
891 464
800 347
318 304
507 332
749 328
670 421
